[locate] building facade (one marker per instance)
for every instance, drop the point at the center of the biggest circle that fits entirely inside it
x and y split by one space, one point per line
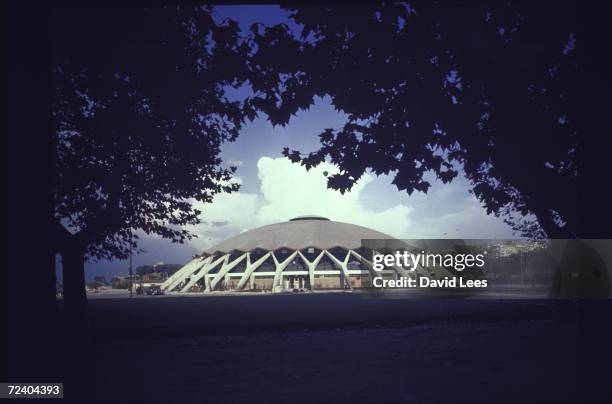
304 253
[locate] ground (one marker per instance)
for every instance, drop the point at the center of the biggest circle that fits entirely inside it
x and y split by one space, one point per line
333 348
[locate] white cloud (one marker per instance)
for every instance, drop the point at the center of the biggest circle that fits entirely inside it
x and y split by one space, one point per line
287 190
227 215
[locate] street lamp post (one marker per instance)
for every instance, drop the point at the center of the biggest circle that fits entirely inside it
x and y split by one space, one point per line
131 284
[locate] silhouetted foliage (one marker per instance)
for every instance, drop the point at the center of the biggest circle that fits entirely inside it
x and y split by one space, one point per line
436 86
141 114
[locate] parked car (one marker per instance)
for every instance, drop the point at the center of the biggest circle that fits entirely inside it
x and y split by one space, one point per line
154 290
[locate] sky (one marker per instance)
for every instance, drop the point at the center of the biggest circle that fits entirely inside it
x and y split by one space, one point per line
274 190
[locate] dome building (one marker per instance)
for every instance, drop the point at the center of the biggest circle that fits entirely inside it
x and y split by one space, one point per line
305 253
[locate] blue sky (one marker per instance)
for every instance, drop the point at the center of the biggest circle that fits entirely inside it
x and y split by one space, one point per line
273 189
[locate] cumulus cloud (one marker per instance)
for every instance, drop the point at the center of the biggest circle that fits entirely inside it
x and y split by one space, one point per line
451 211
287 190
227 215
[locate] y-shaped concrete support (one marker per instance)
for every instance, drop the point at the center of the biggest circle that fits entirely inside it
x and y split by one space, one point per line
342 265
311 266
184 272
369 264
279 269
179 272
203 272
225 269
251 266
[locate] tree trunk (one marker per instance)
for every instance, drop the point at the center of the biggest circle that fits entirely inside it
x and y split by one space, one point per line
73 270
75 341
72 251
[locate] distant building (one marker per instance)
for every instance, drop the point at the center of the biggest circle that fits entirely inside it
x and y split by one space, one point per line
154 276
100 280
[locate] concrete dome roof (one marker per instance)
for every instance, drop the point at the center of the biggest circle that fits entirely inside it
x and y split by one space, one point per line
299 233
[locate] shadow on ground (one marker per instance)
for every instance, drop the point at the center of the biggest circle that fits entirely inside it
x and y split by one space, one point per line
333 348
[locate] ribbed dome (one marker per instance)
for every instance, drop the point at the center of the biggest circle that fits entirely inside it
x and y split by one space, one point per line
299 233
